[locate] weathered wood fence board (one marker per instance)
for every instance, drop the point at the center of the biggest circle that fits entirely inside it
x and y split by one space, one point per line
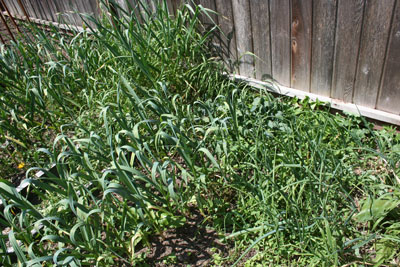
224 8
323 43
374 39
389 98
244 40
280 41
348 29
210 4
348 50
259 10
301 38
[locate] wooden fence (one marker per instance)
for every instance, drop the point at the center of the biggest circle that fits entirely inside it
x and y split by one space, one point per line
347 50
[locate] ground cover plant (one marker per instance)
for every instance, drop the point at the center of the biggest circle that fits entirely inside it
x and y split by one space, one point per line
140 134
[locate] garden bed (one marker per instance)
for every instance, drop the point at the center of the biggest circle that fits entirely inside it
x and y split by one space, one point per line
151 155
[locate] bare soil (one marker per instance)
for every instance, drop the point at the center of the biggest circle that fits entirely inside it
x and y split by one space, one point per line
192 244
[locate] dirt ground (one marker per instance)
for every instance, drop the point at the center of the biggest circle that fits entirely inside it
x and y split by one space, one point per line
192 244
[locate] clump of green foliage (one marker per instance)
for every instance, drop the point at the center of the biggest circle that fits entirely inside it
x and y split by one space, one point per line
138 124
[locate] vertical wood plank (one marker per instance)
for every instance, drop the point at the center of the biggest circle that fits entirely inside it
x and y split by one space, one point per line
389 98
211 20
348 34
9 6
301 44
94 6
374 38
177 4
152 5
49 11
141 7
131 6
58 9
225 20
17 4
91 9
35 8
28 8
209 4
13 8
83 8
67 17
280 40
41 10
259 10
87 9
323 43
170 7
76 9
145 6
241 14
123 4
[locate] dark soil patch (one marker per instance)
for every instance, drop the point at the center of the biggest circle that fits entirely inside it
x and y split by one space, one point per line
192 244
17 177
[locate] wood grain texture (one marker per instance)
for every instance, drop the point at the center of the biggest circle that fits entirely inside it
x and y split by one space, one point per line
146 6
47 10
210 19
60 10
225 20
42 11
28 8
9 30
389 98
209 4
13 7
87 9
259 10
348 34
95 6
69 15
53 10
280 40
142 6
133 6
374 38
177 4
93 9
170 6
76 8
301 37
35 8
11 16
23 9
152 5
323 43
65 17
242 22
